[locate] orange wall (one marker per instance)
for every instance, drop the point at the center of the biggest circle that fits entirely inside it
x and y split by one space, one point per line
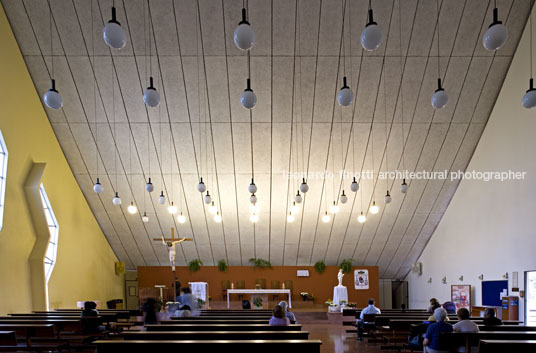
321 286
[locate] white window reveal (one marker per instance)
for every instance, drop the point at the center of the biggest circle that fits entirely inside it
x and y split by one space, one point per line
3 173
52 248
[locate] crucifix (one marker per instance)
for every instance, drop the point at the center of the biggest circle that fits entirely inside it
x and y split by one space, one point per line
170 243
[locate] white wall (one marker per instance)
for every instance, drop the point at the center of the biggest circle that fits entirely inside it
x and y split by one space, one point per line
489 227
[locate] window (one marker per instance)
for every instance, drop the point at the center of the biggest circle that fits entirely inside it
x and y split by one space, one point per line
53 228
3 173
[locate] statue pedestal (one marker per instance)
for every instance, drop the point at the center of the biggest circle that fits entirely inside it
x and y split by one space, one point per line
340 293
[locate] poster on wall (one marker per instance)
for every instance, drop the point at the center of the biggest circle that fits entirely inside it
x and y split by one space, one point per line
461 296
361 279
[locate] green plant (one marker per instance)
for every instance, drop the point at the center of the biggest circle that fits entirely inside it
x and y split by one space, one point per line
257 301
222 265
330 302
200 303
260 263
320 266
346 265
195 265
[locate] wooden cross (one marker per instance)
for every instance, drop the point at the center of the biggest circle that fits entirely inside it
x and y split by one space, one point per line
172 240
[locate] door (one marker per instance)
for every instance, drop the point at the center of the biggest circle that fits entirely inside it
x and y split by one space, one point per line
131 288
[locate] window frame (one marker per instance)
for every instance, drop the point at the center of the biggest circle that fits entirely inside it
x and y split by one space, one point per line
3 176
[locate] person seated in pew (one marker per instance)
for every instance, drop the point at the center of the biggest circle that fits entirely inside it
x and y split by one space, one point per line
431 337
90 323
436 305
288 313
370 309
188 305
465 325
90 310
450 307
149 311
490 319
279 318
403 307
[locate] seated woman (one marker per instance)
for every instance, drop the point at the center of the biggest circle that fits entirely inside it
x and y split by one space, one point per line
431 338
279 318
436 305
288 313
465 325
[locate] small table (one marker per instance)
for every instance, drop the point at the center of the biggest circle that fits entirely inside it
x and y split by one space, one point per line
259 291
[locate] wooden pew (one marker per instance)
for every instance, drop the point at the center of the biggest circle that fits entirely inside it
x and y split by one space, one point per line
221 327
220 346
225 318
208 322
36 337
216 335
8 338
471 339
506 328
501 346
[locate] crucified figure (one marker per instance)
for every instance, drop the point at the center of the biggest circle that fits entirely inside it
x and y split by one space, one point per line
170 244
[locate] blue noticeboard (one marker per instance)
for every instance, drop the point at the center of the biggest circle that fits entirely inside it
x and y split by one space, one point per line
491 292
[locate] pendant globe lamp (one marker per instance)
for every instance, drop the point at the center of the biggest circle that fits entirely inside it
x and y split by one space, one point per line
217 217
254 218
404 187
354 186
113 34
132 208
304 187
345 97
298 198
440 97
290 217
248 99
116 200
388 197
151 97
252 188
52 97
334 208
361 218
201 187
253 199
212 209
98 187
149 187
145 218
294 208
326 218
207 199
374 209
172 208
343 198
496 35
244 36
161 199
371 37
181 219
529 99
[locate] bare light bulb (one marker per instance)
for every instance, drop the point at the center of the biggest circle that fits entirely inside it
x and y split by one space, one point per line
290 218
217 218
172 208
144 218
326 218
334 208
212 209
294 208
361 218
132 208
181 219
374 209
254 218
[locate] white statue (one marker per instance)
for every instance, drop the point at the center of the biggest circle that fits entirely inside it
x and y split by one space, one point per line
340 275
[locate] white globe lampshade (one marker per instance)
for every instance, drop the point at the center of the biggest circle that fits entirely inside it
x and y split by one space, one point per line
181 219
354 186
151 97
343 198
252 188
212 209
254 218
149 187
116 200
304 187
244 36
132 208
326 218
388 198
294 208
361 218
345 97
161 198
98 187
404 187
113 34
248 99
374 209
496 35
201 187
207 199
440 97
529 99
290 218
172 208
334 208
52 98
217 218
145 218
298 197
253 199
371 37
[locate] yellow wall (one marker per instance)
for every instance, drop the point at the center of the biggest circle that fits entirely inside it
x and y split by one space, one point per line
85 264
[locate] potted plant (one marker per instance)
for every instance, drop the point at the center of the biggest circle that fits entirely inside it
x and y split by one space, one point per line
257 302
306 296
195 265
351 305
222 265
346 265
332 307
200 303
320 266
342 304
260 263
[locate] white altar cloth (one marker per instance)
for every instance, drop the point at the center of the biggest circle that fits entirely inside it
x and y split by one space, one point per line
340 293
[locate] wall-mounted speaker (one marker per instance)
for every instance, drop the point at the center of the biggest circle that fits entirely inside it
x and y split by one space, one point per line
416 267
119 268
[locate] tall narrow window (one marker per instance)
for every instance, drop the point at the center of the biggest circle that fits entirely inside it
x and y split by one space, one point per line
53 228
3 173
